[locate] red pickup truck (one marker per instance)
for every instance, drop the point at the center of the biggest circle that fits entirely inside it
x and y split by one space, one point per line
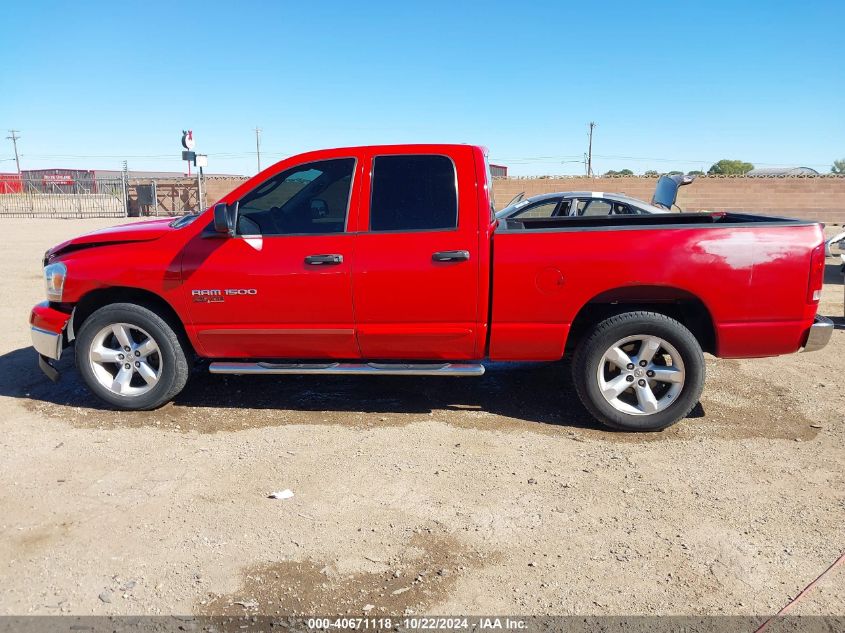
390 260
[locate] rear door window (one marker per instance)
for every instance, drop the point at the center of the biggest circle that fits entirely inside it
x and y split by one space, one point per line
620 208
594 206
413 193
545 209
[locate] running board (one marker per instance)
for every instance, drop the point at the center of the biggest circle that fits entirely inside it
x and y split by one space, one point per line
373 369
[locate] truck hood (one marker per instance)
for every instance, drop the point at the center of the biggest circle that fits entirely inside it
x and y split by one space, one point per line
145 231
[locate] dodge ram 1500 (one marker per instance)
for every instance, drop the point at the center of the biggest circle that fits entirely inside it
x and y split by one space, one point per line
390 260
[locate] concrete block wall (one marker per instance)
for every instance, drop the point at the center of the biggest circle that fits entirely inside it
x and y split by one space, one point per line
179 195
219 186
814 198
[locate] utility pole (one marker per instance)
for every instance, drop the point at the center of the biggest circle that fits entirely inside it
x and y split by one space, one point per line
258 146
14 138
590 151
124 181
200 205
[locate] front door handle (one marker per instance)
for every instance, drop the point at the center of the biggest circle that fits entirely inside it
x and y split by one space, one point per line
328 260
450 256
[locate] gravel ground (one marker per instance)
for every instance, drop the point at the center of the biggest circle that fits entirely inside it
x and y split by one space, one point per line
474 496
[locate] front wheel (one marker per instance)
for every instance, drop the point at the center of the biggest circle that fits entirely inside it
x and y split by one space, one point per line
130 357
639 371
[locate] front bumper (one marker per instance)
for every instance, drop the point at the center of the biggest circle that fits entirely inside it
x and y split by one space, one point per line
819 334
47 343
48 329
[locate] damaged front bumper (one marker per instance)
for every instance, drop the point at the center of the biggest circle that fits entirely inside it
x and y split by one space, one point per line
50 333
819 334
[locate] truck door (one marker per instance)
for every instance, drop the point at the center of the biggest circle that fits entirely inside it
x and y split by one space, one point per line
415 274
280 288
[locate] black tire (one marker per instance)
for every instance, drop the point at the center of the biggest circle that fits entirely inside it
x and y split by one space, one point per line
592 348
174 371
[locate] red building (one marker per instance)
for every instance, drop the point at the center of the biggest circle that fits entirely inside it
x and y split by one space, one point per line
10 183
498 171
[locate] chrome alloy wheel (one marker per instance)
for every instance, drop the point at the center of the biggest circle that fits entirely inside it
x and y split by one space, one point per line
641 375
125 359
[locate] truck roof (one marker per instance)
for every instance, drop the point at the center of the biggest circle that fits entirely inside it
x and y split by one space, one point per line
403 146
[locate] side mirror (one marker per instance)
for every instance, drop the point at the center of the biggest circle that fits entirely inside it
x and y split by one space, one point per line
226 218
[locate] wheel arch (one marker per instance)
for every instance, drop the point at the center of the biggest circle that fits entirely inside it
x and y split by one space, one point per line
96 299
677 303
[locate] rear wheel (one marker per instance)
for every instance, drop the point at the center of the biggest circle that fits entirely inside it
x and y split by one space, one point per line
639 371
130 357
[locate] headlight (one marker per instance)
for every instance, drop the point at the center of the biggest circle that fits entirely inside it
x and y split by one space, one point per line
54 278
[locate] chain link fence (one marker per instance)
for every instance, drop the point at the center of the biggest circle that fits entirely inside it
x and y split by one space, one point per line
154 197
63 197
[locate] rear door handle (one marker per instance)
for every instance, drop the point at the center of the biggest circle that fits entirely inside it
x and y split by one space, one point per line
328 260
450 256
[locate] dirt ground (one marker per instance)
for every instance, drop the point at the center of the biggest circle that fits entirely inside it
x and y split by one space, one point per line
430 495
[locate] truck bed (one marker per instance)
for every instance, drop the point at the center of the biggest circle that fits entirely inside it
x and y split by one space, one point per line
663 220
746 274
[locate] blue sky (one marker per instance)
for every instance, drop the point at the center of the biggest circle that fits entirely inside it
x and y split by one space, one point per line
671 85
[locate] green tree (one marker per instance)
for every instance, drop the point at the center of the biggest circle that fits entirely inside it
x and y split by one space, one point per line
695 172
838 166
624 172
651 172
730 167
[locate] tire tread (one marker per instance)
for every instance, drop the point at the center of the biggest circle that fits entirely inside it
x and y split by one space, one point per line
116 312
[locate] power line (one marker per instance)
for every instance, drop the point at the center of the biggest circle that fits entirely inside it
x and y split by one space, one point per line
121 156
512 160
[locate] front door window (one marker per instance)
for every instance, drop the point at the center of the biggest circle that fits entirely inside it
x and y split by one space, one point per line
308 199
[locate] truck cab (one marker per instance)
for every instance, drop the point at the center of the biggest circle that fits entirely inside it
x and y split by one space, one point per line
392 231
